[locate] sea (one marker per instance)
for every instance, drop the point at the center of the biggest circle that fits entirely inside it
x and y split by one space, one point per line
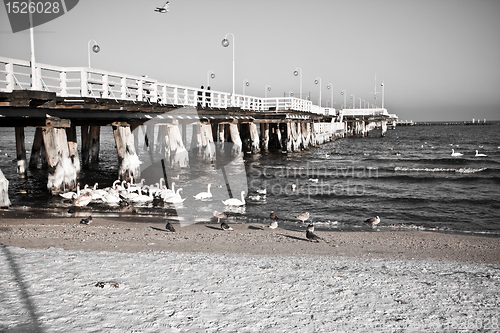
408 178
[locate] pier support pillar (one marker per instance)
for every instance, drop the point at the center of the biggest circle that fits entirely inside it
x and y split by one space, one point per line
62 173
204 140
90 144
254 137
264 130
37 150
21 152
178 153
235 138
384 127
73 148
4 191
127 156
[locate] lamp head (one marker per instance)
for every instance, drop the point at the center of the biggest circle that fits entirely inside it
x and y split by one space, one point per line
225 42
295 73
96 48
316 81
247 83
212 76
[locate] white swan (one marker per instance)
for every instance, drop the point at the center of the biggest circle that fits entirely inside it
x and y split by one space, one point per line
175 198
204 195
71 195
234 201
455 154
142 197
480 155
165 193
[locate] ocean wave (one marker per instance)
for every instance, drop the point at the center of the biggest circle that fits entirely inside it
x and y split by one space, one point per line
457 170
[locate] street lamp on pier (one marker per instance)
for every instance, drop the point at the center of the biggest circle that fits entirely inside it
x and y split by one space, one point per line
96 48
316 81
360 103
343 93
268 88
382 84
210 75
225 43
353 101
246 83
330 87
296 73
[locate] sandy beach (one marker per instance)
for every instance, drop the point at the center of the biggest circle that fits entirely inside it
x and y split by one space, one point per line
119 275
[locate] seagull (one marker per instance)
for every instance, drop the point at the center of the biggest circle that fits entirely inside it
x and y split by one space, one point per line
225 226
163 9
303 217
373 221
88 220
310 227
170 227
480 155
312 237
455 154
219 216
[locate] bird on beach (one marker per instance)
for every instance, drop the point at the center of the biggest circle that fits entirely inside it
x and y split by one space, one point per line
312 237
273 225
170 227
303 217
88 220
373 221
457 154
225 226
310 227
219 216
480 155
163 9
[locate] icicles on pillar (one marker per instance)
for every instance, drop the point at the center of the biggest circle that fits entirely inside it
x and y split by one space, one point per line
4 191
62 173
73 148
235 138
254 137
127 156
178 153
264 130
384 127
21 152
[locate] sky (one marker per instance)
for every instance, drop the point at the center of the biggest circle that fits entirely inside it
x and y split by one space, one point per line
438 59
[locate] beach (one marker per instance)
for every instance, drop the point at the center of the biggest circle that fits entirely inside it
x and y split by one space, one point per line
119 275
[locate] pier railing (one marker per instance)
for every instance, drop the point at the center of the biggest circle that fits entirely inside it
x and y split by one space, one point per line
89 82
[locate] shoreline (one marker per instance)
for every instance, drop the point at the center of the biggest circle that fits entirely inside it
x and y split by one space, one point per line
127 235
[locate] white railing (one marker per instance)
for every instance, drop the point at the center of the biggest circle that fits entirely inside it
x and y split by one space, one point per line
90 82
365 112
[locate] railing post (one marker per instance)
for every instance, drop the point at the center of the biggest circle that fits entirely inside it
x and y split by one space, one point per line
63 84
105 86
123 87
39 82
84 90
164 94
153 92
186 97
176 96
9 68
139 90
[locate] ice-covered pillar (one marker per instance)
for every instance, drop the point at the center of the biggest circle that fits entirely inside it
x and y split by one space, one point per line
235 138
73 148
254 137
62 172
264 130
178 153
36 148
384 127
4 191
127 156
21 152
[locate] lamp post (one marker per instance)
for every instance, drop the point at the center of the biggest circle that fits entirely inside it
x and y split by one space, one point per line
359 103
96 48
330 87
343 93
316 81
210 75
245 84
290 94
353 101
296 73
225 43
382 84
268 88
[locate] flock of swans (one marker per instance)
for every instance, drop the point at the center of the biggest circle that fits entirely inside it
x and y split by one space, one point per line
457 154
132 192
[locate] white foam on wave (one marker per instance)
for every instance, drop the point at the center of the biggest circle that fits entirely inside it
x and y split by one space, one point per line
461 170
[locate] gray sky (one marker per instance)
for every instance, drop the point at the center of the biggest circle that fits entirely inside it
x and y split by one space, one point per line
439 59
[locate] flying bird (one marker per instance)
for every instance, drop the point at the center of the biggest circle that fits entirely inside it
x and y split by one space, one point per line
163 9
170 227
373 221
88 220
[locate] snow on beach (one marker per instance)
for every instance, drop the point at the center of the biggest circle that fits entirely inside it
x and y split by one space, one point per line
56 290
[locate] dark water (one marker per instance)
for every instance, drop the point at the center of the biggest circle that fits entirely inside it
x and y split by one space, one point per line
408 178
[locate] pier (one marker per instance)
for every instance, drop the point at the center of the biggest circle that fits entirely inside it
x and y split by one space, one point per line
59 99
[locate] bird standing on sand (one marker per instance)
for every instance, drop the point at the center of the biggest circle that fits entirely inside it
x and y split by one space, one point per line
170 227
373 221
274 220
303 217
310 227
273 216
225 226
311 236
88 220
219 216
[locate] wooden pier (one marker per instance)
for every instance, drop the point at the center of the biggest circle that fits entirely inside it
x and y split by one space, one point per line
89 98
